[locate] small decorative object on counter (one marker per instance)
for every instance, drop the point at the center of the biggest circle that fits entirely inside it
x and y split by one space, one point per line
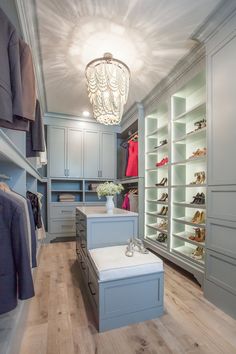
108 190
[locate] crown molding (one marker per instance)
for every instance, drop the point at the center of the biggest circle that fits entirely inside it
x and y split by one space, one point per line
223 12
196 55
28 23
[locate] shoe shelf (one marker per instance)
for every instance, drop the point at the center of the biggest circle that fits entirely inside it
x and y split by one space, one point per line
188 221
151 187
191 137
190 205
186 252
154 133
181 121
153 238
156 201
192 160
155 227
192 113
197 185
185 237
155 151
155 214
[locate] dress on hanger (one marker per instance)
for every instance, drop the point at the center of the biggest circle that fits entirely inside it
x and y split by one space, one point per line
132 166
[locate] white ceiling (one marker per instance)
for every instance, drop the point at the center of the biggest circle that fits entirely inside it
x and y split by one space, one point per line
150 36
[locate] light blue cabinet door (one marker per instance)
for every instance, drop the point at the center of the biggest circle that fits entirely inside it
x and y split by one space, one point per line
57 151
91 154
75 153
107 155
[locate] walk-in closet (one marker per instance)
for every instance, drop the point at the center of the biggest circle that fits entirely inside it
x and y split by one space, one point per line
117 181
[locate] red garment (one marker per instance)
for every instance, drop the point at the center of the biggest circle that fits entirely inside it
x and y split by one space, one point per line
126 203
132 166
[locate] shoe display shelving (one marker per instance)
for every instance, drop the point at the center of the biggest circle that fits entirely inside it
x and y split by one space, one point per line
156 176
179 121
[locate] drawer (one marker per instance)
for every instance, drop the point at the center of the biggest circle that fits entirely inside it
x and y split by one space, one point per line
62 226
93 287
83 267
65 212
221 270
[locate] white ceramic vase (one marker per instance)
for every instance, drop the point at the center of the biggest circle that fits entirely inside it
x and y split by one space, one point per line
110 204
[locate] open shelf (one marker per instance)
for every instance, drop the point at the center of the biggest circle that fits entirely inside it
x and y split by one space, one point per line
155 151
153 239
155 227
184 236
186 252
192 114
188 221
190 161
156 202
189 205
192 136
155 214
156 131
188 185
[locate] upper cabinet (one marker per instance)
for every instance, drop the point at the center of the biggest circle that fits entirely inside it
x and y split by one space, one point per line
107 155
99 154
81 153
57 138
91 154
65 152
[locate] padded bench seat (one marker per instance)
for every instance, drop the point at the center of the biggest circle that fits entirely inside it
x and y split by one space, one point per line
124 290
111 263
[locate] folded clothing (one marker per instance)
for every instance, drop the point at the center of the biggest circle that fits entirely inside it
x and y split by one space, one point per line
66 197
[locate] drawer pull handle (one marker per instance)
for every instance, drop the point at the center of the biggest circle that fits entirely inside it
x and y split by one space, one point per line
83 267
67 211
93 292
70 226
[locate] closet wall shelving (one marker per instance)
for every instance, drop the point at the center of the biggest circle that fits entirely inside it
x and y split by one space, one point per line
175 217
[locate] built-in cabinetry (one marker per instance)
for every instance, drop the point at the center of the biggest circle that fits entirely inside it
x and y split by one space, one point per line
220 275
81 153
175 174
80 157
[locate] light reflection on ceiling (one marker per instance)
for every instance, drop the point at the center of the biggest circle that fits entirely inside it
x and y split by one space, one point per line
149 36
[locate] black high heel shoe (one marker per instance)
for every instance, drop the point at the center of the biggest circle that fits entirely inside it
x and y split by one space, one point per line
162 183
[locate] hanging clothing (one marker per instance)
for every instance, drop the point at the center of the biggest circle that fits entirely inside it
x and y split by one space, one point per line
33 198
17 80
133 199
15 270
35 140
123 160
126 203
132 166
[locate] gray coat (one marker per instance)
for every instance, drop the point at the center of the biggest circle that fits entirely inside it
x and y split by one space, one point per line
17 80
15 271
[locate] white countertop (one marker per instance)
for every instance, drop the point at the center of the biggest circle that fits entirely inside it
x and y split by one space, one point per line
100 211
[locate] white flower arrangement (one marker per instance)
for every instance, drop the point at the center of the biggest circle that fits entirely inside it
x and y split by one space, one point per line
108 188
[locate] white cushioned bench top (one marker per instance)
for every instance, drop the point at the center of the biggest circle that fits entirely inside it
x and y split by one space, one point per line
111 263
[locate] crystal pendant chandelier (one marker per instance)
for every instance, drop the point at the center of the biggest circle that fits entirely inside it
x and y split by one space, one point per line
108 87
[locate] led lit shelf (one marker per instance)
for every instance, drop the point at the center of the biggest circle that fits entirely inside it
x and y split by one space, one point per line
155 151
155 187
188 185
190 160
193 113
185 237
186 252
188 221
155 227
190 205
153 239
155 214
158 130
191 137
156 201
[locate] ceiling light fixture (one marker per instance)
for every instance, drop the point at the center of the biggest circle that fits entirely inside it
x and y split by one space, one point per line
108 87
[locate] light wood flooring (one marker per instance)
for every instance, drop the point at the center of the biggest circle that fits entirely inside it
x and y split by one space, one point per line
59 320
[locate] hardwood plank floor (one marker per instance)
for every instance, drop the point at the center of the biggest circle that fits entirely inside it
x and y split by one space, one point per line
60 322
